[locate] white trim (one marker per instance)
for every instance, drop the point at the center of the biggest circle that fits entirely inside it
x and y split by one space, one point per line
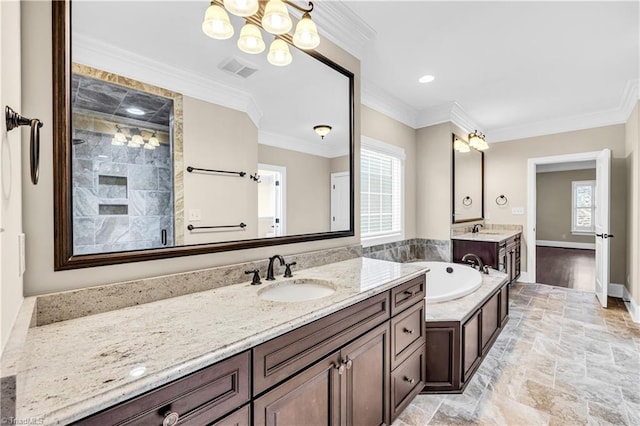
566 244
380 100
530 230
452 112
615 290
524 277
300 145
382 147
632 306
560 167
105 56
382 239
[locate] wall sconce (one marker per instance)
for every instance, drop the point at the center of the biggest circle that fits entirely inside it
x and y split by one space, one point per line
477 141
460 145
274 19
135 139
322 130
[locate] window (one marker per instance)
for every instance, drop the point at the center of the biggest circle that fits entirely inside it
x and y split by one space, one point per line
583 206
381 192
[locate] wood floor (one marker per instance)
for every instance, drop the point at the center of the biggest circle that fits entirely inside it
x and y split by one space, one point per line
564 267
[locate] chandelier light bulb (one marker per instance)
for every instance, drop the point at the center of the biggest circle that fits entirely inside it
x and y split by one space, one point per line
216 23
276 19
242 7
306 35
250 40
279 54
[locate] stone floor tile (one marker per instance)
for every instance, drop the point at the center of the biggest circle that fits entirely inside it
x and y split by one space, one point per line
499 410
562 405
412 416
601 414
589 389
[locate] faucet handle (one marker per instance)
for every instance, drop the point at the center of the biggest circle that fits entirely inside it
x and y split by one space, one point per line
287 270
256 276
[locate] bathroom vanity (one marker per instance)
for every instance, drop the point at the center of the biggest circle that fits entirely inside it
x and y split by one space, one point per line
226 356
500 250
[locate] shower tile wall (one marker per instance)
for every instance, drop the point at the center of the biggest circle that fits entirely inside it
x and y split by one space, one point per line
122 196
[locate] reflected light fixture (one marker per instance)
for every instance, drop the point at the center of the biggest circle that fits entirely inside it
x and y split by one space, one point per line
322 130
477 141
274 18
135 140
153 140
426 79
119 139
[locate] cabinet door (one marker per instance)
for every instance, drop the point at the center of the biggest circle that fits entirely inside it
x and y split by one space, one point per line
366 384
470 345
311 398
504 304
490 320
443 356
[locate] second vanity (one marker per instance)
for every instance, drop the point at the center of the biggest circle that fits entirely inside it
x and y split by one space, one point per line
226 356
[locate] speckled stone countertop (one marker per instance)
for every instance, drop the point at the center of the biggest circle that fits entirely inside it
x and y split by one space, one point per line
71 369
489 236
460 309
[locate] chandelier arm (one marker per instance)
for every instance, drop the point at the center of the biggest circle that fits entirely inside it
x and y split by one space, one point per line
301 9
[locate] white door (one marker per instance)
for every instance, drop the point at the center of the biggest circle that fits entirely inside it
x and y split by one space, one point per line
603 178
340 205
271 201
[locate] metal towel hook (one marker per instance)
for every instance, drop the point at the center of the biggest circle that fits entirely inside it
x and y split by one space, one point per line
16 120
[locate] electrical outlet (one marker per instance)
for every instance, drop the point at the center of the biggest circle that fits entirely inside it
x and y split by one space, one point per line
195 215
517 211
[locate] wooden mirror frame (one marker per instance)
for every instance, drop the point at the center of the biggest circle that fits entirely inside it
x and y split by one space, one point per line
64 258
453 185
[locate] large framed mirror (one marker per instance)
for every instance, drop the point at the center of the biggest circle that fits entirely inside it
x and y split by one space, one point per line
170 143
467 177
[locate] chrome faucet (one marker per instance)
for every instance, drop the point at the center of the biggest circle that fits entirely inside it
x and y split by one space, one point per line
270 276
476 229
474 260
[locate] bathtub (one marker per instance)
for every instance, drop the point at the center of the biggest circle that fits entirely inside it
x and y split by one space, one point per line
443 285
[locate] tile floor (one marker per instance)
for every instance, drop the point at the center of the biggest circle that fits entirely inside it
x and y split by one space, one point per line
561 360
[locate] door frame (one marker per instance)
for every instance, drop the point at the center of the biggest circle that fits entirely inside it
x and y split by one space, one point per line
283 192
530 232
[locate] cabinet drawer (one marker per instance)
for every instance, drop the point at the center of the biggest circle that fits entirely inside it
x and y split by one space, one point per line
407 294
407 381
242 417
199 398
407 333
282 357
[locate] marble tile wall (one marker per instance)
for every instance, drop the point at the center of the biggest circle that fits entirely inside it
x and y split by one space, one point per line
411 250
122 196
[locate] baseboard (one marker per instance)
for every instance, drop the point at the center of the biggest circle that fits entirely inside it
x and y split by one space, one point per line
524 277
632 306
566 244
616 290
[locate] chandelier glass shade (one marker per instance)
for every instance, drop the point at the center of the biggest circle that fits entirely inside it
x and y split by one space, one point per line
322 130
274 18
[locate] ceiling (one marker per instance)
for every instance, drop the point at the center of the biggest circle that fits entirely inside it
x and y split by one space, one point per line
513 69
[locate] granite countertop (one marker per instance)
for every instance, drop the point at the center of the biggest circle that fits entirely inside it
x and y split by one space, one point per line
71 369
460 309
488 236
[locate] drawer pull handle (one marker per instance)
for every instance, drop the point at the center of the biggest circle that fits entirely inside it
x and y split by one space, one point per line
340 368
171 419
348 363
409 293
408 330
411 381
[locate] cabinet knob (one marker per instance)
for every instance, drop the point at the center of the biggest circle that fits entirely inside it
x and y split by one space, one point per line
170 419
348 363
411 381
340 368
408 330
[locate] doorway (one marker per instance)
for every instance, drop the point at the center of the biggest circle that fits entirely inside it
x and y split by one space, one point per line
340 201
272 201
601 194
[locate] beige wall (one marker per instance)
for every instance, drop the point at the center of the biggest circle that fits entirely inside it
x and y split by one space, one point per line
38 200
308 188
385 129
340 164
10 170
553 205
223 139
506 173
632 162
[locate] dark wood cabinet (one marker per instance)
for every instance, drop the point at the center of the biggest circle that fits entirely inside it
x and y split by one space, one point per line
407 381
455 349
242 417
503 256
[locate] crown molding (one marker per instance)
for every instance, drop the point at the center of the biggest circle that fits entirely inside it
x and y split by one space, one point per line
342 26
104 56
630 98
384 102
285 142
450 112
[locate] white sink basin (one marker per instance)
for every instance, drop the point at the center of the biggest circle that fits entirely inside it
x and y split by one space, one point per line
297 290
490 232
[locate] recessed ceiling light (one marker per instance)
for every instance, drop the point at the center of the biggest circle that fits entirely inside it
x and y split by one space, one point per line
135 111
426 79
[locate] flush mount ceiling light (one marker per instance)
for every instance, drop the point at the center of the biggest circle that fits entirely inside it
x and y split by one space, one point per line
426 79
273 18
322 130
477 141
135 111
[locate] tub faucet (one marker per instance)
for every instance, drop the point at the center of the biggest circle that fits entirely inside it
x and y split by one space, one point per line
270 276
474 260
476 228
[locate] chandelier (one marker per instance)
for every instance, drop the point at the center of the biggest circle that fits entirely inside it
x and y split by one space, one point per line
273 18
135 139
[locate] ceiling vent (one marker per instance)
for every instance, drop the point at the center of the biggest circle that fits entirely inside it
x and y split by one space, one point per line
236 67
